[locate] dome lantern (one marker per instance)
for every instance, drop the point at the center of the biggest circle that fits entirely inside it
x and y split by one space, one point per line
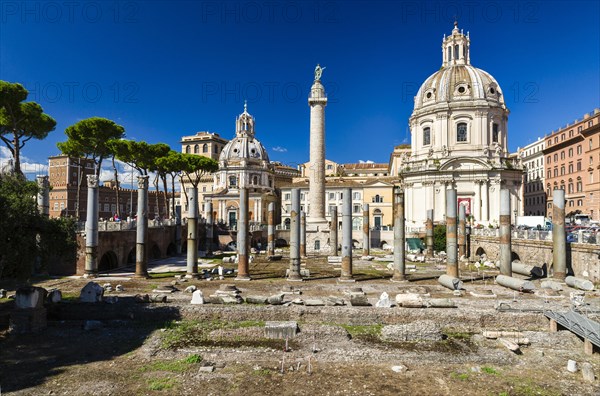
455 48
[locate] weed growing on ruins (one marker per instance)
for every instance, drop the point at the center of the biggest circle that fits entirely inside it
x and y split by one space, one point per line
161 384
457 335
460 376
163 275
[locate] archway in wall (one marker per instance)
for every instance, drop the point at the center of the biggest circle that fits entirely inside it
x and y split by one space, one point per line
355 244
171 250
280 242
382 244
131 257
108 261
155 252
514 256
480 252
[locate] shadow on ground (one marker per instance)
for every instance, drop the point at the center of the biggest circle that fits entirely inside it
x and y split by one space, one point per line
29 360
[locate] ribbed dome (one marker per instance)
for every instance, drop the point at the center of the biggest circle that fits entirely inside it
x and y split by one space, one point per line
456 83
243 148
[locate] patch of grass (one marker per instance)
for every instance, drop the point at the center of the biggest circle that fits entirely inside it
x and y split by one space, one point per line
528 388
489 370
197 333
160 384
457 335
262 372
163 275
173 366
460 376
364 331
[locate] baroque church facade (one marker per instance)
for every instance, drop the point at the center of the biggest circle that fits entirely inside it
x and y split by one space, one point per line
459 139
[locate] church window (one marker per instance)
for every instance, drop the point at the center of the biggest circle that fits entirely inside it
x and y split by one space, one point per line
449 53
196 149
461 132
205 148
187 149
426 136
456 51
254 179
495 133
232 181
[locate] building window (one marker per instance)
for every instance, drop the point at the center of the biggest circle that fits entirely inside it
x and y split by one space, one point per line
356 208
426 136
570 188
555 157
562 155
356 195
579 149
331 196
578 165
461 132
562 137
329 167
377 198
331 208
555 172
205 148
571 133
579 128
570 152
232 181
579 185
580 202
287 196
107 207
590 123
571 167
562 170
548 161
495 133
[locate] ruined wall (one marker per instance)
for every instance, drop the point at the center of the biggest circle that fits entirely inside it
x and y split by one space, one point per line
582 258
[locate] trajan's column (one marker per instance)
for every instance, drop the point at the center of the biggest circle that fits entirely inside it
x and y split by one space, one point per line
317 227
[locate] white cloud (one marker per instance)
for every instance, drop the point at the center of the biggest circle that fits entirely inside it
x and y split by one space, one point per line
27 166
279 149
365 162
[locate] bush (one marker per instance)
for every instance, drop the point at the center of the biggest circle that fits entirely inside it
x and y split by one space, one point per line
439 238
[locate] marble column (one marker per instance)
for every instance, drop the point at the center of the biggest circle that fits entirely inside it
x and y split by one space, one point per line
294 271
333 236
559 237
365 229
91 227
451 252
192 229
242 237
505 237
271 230
141 245
316 173
485 202
399 236
346 275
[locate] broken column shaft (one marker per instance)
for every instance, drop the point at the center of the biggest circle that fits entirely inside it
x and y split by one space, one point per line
505 242
399 236
462 230
333 235
365 229
271 230
302 234
515 284
91 227
429 233
346 274
294 273
43 197
559 237
242 237
192 229
451 252
208 208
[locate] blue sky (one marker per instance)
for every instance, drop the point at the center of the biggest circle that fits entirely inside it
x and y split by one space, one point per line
164 70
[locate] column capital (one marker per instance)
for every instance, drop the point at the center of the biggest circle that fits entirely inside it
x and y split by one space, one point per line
92 181
142 181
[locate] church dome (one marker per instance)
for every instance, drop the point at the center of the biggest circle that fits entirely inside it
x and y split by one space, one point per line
457 80
244 146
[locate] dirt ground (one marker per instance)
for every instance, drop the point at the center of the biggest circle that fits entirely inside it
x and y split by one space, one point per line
179 348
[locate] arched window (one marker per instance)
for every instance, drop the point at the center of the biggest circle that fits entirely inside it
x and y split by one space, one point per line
562 154
187 149
449 54
548 161
196 149
579 185
562 170
254 179
461 132
571 167
555 157
426 136
205 148
456 51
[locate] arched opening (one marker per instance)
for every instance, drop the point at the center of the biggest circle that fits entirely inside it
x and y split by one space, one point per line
108 261
479 251
171 250
131 257
155 252
280 242
514 256
382 244
355 244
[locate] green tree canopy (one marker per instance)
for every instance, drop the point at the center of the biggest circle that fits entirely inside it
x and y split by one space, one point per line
89 138
21 121
196 166
140 155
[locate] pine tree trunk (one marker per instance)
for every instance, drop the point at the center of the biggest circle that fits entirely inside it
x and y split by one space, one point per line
116 173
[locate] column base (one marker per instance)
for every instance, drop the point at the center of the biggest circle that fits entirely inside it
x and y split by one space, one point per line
90 275
294 279
346 280
399 279
242 278
192 276
559 275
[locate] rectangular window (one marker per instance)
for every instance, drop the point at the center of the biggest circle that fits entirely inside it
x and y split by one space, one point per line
461 132
356 195
331 208
495 133
356 209
287 196
426 136
331 196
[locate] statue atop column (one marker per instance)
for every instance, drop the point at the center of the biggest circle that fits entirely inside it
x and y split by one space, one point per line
319 72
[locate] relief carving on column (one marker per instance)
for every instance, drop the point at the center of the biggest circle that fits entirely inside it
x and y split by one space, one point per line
142 181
